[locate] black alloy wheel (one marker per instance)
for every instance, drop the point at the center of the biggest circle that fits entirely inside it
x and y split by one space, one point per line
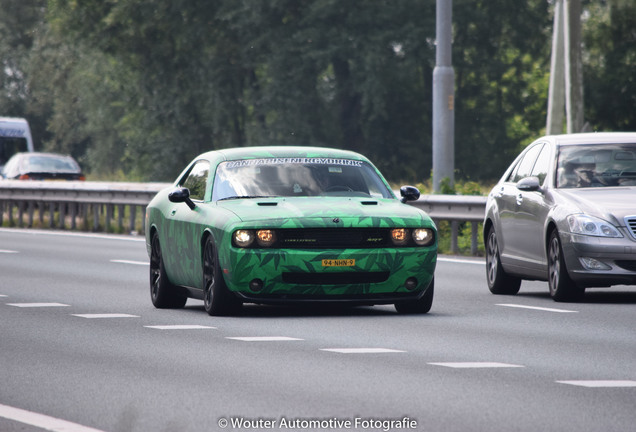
562 287
499 282
217 299
164 295
419 306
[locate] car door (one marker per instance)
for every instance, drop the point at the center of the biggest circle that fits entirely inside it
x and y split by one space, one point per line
530 215
511 239
181 246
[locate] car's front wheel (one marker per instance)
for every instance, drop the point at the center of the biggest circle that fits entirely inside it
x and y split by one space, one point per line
562 287
499 282
217 299
420 306
163 293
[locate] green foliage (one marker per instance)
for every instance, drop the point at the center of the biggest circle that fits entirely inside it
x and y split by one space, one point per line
139 88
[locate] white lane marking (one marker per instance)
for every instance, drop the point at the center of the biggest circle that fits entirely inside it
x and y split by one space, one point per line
110 315
461 261
601 383
361 350
538 308
476 365
179 327
3 295
36 305
144 263
264 338
42 421
8 251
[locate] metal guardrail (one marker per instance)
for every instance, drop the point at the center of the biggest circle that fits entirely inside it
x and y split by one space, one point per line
120 207
74 205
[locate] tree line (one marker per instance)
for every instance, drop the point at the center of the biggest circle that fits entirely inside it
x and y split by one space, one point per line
134 90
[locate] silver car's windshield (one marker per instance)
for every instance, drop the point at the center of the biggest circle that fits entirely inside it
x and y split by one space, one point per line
596 165
296 177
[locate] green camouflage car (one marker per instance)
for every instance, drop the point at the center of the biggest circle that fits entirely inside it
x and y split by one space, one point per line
273 225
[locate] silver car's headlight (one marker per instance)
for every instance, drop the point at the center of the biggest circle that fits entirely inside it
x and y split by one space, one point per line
591 226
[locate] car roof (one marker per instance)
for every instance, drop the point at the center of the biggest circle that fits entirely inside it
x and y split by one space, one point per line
258 152
594 138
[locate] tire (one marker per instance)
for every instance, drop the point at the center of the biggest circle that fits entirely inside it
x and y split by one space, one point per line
562 287
419 306
499 282
217 299
163 294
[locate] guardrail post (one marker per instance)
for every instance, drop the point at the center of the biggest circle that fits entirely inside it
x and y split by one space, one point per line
454 230
474 230
96 216
133 215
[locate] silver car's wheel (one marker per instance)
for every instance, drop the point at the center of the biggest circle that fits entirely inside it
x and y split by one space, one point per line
562 287
217 300
162 293
499 282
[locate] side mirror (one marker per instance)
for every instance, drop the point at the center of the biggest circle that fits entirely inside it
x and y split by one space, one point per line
529 184
409 193
180 195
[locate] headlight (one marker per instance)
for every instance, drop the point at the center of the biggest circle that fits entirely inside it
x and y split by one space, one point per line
265 238
591 226
243 238
399 236
423 236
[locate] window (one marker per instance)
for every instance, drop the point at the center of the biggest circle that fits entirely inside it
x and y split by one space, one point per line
196 180
525 165
542 165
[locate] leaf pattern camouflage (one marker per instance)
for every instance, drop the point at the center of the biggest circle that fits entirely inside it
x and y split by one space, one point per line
182 233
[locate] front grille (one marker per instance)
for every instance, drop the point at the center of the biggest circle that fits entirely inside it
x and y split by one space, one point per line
336 238
335 278
630 222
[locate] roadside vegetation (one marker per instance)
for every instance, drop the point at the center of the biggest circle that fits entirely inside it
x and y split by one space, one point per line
134 90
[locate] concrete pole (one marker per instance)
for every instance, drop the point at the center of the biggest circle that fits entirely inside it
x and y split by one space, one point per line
573 67
556 95
443 99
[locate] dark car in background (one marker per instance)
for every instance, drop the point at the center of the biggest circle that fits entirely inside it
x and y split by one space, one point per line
42 166
565 212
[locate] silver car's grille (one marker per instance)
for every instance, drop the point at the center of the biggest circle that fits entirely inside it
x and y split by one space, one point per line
630 222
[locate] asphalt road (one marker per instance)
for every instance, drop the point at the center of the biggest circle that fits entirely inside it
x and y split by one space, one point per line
82 348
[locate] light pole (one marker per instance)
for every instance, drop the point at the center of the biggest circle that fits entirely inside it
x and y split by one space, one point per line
443 99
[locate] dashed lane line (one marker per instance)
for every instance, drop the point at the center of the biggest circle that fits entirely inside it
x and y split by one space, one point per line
42 421
118 261
37 305
179 327
106 315
8 251
601 383
264 338
362 350
537 308
476 365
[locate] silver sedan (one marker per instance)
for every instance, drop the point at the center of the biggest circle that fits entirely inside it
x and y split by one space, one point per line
565 212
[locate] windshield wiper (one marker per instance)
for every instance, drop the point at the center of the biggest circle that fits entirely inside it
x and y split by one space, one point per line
245 197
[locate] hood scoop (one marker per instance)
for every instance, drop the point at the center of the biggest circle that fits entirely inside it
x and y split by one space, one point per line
369 203
268 203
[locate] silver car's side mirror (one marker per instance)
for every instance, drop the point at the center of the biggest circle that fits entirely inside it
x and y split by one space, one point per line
529 184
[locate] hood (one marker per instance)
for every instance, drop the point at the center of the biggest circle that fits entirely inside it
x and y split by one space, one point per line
323 211
611 203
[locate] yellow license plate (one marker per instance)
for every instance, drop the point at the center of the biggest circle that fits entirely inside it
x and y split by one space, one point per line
338 262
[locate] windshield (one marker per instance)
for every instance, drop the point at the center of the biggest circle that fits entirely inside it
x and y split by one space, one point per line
597 166
297 177
49 163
